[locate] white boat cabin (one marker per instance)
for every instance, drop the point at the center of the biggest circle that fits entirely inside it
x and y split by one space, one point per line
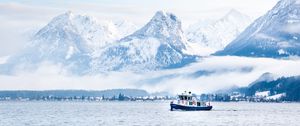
188 99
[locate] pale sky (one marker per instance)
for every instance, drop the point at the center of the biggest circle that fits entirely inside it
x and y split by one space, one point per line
22 18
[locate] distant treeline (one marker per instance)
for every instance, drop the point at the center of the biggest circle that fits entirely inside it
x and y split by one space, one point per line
288 85
71 93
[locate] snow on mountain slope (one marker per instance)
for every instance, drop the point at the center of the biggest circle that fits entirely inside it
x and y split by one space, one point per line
217 34
267 77
69 40
125 27
159 44
93 34
276 34
81 45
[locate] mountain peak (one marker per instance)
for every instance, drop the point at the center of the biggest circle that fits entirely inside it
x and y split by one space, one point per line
160 44
162 15
162 24
159 14
66 24
216 34
67 14
69 18
62 18
267 77
234 12
274 34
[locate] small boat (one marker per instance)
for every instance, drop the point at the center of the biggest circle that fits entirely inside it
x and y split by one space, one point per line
189 102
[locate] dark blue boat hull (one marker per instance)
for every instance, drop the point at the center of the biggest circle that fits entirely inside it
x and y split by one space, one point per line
190 108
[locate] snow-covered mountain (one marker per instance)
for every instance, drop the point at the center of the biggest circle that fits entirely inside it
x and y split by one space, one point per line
86 29
217 34
159 44
81 45
276 34
69 40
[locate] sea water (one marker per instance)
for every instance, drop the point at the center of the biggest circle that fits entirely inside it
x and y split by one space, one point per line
157 113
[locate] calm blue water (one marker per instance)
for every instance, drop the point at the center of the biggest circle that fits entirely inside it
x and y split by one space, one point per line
146 113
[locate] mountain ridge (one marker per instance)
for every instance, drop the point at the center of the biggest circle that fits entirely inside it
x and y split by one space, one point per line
272 35
165 47
81 45
218 33
69 40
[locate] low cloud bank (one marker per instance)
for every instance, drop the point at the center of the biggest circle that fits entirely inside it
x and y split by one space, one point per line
208 74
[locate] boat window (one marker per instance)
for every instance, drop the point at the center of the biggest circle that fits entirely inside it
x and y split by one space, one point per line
180 97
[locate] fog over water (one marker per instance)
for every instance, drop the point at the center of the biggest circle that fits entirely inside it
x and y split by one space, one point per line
206 75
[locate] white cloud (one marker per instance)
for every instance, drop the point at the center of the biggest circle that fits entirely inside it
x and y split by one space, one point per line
223 72
228 71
